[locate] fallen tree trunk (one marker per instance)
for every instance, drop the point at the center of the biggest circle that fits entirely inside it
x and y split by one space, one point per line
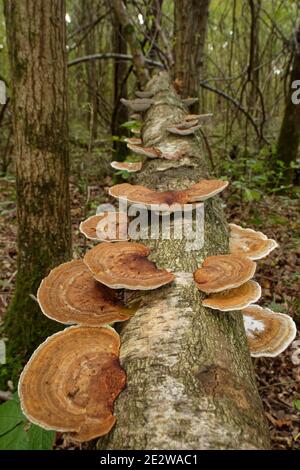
190 381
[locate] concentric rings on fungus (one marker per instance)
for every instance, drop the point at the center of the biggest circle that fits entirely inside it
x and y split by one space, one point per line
125 265
222 272
71 382
70 294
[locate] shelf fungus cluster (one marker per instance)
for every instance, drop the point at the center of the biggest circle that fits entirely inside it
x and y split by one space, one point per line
227 279
72 380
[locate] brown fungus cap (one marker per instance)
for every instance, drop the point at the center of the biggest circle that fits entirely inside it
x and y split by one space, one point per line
234 299
150 152
268 333
125 265
71 381
223 272
109 227
130 167
138 105
140 195
180 130
70 294
250 243
133 140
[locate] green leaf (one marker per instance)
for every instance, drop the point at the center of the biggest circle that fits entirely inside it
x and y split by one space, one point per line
297 404
251 195
16 439
10 415
131 125
40 439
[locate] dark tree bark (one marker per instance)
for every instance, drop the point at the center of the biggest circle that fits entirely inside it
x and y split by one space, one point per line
36 40
190 380
289 137
191 18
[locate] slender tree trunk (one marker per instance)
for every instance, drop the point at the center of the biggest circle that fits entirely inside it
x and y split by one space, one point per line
120 113
139 64
88 9
191 17
253 68
289 136
36 40
155 10
190 381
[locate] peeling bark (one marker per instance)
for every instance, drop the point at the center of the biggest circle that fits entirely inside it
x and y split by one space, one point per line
190 380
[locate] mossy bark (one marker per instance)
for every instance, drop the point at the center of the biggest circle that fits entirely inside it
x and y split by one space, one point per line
36 41
190 380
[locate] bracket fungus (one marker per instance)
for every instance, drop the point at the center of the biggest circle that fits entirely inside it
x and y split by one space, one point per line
198 117
250 243
71 381
70 294
223 272
109 227
136 117
140 195
150 152
234 299
268 333
190 101
138 105
130 167
144 94
133 140
186 124
180 130
125 265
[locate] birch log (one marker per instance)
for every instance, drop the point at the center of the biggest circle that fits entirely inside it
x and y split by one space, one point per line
190 380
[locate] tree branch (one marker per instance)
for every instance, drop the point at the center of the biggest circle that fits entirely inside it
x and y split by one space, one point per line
112 55
238 105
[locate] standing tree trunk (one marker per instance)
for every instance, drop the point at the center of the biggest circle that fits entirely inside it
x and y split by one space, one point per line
190 381
138 60
254 63
120 113
36 40
191 17
88 10
289 137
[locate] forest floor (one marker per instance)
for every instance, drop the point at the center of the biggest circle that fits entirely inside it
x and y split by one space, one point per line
278 274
